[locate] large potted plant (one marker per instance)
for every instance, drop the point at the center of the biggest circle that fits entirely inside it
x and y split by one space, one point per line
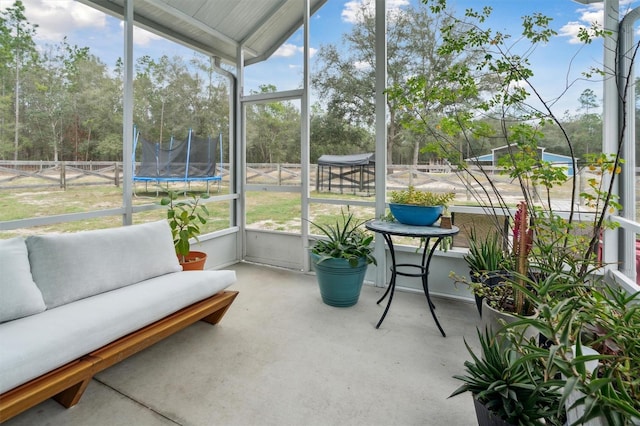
340 260
185 218
509 389
417 207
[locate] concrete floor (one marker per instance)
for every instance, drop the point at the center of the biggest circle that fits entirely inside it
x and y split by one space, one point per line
282 357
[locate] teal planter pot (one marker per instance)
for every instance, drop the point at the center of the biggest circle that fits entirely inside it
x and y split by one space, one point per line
339 283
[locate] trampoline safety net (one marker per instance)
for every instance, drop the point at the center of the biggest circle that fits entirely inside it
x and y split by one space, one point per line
188 160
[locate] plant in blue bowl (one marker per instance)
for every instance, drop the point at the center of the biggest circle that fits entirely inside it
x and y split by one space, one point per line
416 207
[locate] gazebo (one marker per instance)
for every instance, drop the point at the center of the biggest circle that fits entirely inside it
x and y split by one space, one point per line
355 172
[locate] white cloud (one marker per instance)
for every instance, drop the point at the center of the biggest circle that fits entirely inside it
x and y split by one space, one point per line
59 18
288 50
355 10
56 18
362 65
592 14
141 37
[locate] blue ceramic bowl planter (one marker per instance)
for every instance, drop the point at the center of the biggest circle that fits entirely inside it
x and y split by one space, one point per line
410 214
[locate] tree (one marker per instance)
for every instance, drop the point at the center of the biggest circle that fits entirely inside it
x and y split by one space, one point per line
333 135
172 96
19 48
273 131
345 79
588 100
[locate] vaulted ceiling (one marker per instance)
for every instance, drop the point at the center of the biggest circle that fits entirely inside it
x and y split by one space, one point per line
218 27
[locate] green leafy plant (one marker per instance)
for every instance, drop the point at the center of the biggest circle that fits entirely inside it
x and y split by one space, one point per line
554 253
486 254
512 387
572 315
417 197
185 218
345 240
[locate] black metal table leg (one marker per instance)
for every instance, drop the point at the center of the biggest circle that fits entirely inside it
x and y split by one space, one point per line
425 283
392 283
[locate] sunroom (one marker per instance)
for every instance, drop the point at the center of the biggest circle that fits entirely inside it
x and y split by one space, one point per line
237 35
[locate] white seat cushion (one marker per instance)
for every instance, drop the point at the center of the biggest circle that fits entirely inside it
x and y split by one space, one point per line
34 345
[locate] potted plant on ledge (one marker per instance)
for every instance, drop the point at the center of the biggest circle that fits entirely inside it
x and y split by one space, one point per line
185 218
416 207
341 260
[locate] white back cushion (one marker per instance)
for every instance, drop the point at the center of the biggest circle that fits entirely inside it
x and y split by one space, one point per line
68 267
19 295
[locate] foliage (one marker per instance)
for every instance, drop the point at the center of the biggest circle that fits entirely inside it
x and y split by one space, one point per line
548 239
417 197
345 240
486 254
554 256
185 217
573 315
82 98
17 54
512 387
348 88
273 131
328 133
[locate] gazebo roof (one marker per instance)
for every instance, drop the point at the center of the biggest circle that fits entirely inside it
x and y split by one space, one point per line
347 160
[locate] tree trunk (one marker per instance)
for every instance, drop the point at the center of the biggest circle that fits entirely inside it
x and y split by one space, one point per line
391 137
17 110
55 142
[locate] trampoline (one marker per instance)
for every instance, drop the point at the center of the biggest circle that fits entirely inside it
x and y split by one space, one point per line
189 160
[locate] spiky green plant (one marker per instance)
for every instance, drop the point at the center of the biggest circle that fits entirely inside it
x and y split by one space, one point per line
345 240
512 387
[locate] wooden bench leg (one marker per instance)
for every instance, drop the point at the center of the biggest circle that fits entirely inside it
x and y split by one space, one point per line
70 397
216 316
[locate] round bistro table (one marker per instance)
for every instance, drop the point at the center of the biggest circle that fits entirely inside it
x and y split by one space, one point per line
389 229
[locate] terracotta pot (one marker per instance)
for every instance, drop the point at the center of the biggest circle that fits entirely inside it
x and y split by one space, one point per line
194 261
445 222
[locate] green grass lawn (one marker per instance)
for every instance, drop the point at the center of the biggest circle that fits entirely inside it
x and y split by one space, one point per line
278 211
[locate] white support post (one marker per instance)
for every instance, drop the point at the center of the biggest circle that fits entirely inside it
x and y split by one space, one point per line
610 119
240 159
381 134
627 177
127 117
305 138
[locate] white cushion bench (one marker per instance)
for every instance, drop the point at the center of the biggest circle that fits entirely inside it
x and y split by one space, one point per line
75 304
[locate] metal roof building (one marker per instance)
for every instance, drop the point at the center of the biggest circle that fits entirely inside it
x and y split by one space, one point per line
492 158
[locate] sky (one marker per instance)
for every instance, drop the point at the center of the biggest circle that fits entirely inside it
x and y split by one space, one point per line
560 61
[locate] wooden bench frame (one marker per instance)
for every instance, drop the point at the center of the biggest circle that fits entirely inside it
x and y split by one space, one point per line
67 383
